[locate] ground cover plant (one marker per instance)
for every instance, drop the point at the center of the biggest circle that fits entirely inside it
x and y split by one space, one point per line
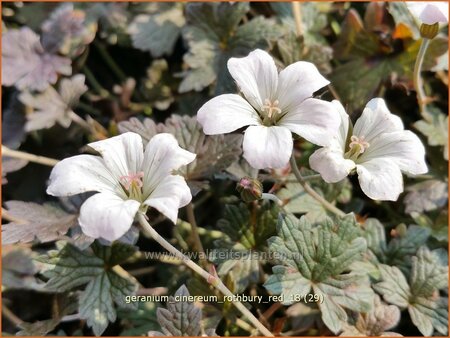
225 169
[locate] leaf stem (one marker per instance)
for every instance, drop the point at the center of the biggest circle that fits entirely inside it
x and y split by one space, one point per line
110 61
418 83
28 157
94 83
80 121
194 227
213 280
297 11
11 316
327 205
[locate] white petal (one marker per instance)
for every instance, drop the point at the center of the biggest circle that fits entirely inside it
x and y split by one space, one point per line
256 76
169 195
315 120
331 164
297 82
375 119
122 154
429 12
380 179
341 137
107 216
403 148
226 113
82 173
162 156
267 147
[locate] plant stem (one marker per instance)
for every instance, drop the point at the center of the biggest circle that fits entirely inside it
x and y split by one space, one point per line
11 316
213 280
94 83
80 121
29 157
297 11
110 61
327 205
418 83
86 107
194 227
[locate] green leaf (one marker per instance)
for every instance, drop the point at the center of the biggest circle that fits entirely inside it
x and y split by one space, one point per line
45 222
245 233
181 318
156 86
426 196
435 130
213 35
70 267
315 256
159 31
428 310
139 322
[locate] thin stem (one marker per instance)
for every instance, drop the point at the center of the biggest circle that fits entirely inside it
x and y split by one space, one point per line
80 121
94 83
86 107
213 280
110 61
197 240
11 316
327 205
418 83
297 11
28 157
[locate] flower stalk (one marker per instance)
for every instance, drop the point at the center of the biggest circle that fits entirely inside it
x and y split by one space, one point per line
198 243
218 284
28 157
297 11
418 83
327 205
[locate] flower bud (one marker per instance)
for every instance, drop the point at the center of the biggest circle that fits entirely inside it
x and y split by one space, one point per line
250 189
429 31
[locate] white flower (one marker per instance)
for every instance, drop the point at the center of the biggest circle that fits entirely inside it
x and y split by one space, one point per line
429 12
378 148
127 180
275 105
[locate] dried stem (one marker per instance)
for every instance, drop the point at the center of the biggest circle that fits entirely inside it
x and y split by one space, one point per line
213 280
28 157
11 316
327 205
297 11
195 233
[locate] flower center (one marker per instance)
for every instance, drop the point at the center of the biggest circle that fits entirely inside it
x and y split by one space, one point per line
271 110
357 147
132 183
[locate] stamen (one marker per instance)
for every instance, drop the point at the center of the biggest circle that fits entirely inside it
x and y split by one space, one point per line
359 143
132 180
271 108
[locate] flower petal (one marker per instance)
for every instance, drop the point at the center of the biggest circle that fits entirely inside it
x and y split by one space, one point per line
375 119
169 195
122 154
107 216
331 164
403 148
79 174
267 147
435 12
226 113
297 82
256 76
315 120
380 179
162 156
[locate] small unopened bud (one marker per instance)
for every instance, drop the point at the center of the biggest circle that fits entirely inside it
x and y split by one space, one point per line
250 189
429 31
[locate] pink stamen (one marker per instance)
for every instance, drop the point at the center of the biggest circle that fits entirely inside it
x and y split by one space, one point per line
132 179
363 145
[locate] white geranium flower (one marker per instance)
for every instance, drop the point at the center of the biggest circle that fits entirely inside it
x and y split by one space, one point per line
275 105
429 12
127 180
378 148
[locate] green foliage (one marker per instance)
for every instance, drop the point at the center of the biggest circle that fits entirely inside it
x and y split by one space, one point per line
429 274
69 268
435 129
245 229
213 35
317 258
